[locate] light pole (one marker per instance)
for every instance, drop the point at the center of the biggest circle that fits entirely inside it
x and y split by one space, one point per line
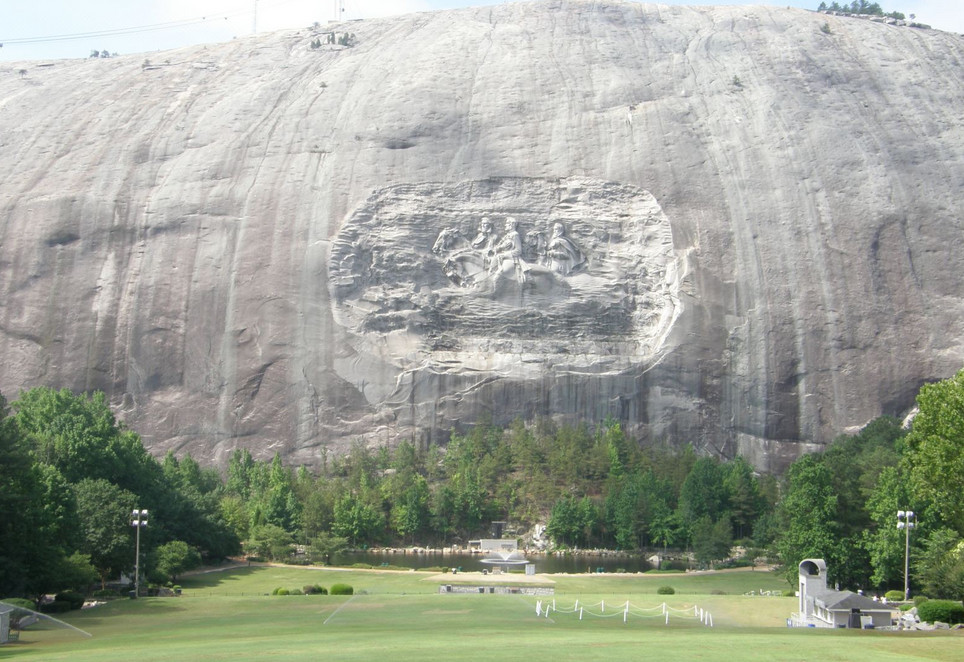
906 520
138 521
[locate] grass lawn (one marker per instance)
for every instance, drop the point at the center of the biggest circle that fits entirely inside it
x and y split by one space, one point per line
227 616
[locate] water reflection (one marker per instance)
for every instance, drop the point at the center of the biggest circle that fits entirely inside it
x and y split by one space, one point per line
570 563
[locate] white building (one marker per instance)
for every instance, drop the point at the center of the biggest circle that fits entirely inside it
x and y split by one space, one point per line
825 607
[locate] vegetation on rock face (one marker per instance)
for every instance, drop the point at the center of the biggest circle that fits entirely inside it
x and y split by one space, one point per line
859 7
70 476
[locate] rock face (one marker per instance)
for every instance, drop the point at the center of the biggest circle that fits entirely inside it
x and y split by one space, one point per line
735 227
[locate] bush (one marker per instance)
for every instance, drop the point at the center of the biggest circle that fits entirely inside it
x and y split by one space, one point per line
894 596
945 611
105 593
341 589
295 591
362 566
280 591
920 599
314 590
666 590
55 607
73 598
790 593
22 607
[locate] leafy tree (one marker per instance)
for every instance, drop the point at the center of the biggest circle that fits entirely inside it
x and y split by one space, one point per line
808 514
573 521
936 448
104 511
883 541
358 522
175 558
711 540
76 572
79 435
743 496
410 513
324 546
939 568
31 540
703 493
270 541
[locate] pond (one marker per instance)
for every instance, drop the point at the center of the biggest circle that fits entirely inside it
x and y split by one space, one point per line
569 563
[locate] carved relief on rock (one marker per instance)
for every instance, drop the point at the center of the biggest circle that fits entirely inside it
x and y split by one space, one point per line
509 276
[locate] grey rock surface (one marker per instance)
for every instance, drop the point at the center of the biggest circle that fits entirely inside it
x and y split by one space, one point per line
275 246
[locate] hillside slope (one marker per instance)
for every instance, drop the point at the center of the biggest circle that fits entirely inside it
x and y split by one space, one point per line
735 229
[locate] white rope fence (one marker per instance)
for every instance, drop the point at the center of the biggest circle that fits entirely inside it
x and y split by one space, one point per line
625 610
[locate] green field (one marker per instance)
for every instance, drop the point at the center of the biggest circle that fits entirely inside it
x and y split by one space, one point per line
400 616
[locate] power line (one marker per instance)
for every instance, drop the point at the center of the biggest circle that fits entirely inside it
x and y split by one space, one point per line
152 27
117 32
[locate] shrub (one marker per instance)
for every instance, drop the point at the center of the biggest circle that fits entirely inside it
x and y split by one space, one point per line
790 593
666 590
295 591
894 596
315 590
341 589
362 566
22 607
825 28
945 611
280 591
920 599
21 604
55 607
73 598
906 606
105 593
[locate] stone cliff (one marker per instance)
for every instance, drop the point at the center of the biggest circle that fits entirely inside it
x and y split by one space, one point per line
735 227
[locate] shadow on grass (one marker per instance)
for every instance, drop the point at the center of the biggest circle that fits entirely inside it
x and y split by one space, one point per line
221 577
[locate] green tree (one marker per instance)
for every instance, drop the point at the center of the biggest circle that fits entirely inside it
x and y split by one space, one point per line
324 546
808 514
883 541
175 558
711 540
939 568
358 522
79 435
703 493
271 542
573 521
935 448
104 512
743 496
410 514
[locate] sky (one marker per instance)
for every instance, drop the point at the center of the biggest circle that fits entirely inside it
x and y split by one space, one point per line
51 29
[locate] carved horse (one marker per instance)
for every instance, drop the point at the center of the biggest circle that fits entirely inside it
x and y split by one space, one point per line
462 263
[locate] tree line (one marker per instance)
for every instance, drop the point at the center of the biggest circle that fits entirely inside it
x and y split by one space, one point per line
70 475
859 7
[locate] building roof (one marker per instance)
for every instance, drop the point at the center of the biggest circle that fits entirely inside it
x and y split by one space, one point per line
847 600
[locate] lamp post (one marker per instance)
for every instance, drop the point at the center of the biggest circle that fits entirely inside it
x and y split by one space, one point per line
906 520
138 521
